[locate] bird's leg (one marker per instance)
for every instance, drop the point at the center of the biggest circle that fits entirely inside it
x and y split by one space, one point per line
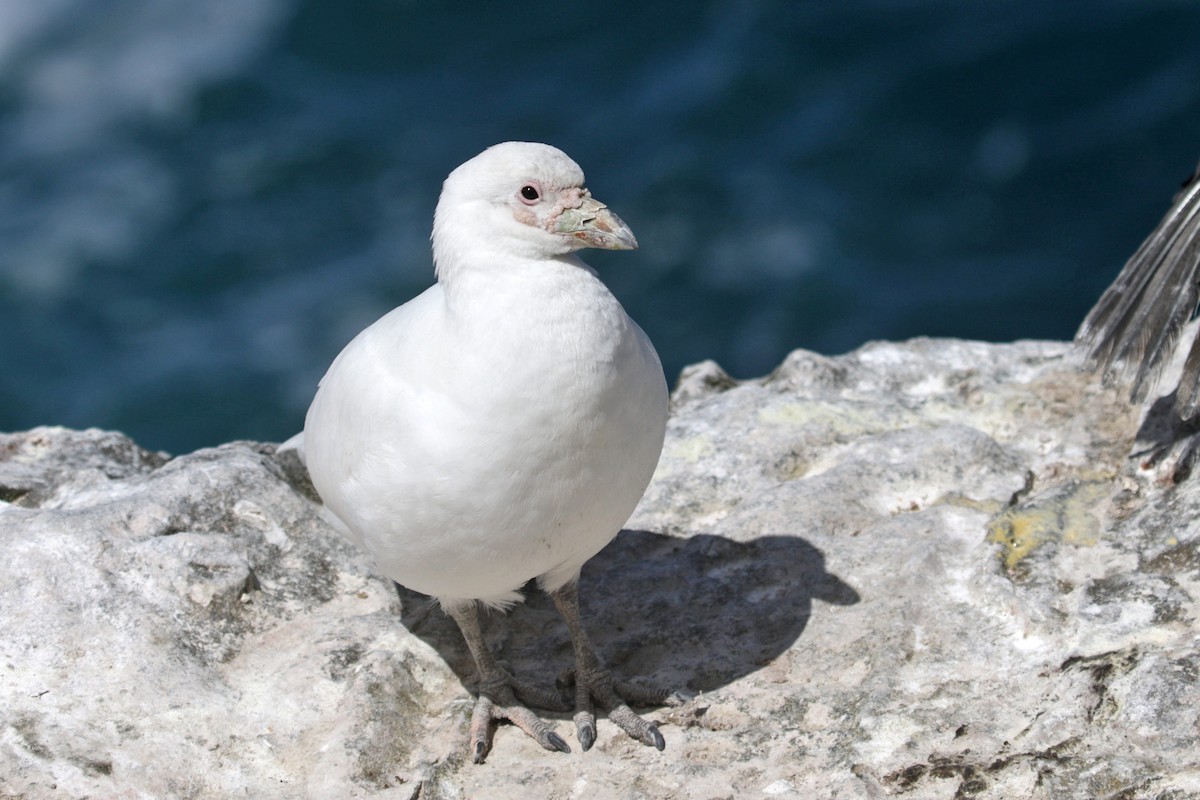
498 693
593 681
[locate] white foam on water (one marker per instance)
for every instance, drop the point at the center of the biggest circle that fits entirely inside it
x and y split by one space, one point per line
77 188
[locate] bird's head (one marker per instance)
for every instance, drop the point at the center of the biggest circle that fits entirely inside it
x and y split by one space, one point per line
524 199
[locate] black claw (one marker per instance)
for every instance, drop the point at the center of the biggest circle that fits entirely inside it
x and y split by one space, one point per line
659 743
587 738
480 752
557 742
1186 462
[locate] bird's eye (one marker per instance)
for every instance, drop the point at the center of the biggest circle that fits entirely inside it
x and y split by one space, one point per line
530 193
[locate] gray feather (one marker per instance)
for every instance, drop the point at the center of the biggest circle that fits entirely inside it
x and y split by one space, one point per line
1133 329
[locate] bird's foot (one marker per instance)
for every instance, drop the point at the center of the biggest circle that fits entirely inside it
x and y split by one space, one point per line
1181 455
498 699
595 685
1176 449
1187 460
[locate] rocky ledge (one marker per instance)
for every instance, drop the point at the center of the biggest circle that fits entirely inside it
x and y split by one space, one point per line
925 570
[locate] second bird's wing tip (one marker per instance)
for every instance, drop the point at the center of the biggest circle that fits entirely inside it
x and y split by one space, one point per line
1130 334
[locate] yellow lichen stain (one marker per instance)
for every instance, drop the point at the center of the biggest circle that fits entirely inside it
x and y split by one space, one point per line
1019 531
787 414
842 418
690 450
1069 516
957 500
1082 520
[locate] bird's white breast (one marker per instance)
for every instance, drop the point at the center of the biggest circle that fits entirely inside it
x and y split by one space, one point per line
496 431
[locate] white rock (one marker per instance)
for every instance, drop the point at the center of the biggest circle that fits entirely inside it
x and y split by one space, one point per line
922 570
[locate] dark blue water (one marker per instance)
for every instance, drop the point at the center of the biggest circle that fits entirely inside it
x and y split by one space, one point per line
201 202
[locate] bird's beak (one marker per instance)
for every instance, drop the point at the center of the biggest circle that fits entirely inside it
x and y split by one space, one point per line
594 225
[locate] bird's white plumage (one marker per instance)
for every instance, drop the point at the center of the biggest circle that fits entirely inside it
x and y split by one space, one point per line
502 425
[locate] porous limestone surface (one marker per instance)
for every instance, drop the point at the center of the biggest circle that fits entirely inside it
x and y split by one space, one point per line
926 569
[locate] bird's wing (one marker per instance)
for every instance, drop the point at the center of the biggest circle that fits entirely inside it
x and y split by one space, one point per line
295 443
1133 329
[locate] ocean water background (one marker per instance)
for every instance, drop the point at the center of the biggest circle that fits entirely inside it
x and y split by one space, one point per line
202 202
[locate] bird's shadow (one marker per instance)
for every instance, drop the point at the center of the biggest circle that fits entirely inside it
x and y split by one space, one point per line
696 613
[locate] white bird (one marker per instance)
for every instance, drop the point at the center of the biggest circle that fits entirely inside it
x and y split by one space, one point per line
502 425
